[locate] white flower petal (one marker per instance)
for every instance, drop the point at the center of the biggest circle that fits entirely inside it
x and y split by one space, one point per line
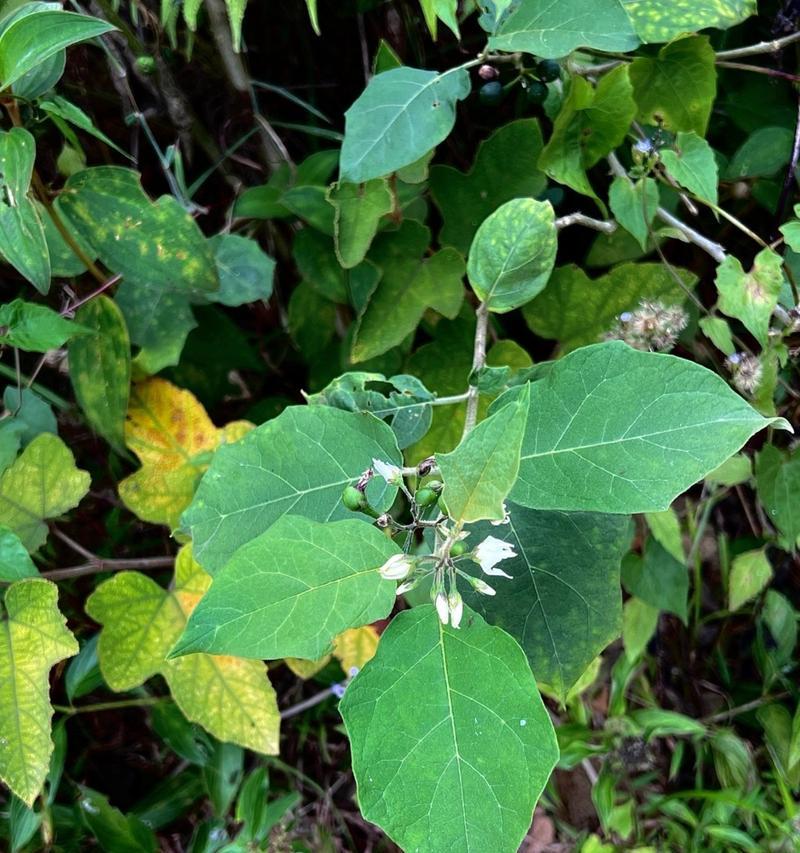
391 473
456 606
490 552
397 567
442 608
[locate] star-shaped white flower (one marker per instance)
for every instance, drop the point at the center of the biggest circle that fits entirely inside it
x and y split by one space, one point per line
490 552
391 473
398 567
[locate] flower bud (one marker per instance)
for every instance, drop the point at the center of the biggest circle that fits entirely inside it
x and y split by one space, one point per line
397 567
426 466
442 608
456 606
481 586
353 499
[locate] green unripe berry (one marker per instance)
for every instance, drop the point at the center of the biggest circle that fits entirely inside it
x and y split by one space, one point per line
491 93
458 548
426 497
536 93
548 70
353 499
146 64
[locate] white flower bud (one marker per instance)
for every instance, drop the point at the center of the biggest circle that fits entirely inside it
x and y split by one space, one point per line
442 608
482 587
490 552
406 586
456 607
391 473
397 567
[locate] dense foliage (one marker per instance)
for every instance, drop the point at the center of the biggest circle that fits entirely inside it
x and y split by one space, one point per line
386 486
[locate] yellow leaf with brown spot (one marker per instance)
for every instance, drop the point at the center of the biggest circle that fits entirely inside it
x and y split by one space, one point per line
355 646
170 432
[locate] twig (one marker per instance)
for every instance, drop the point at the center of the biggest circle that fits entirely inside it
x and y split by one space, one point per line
788 183
760 69
94 567
761 47
478 361
143 702
316 699
607 226
721 716
71 309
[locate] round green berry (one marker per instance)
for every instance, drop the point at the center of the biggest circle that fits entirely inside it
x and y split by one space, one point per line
491 93
426 496
458 548
146 64
353 499
548 70
536 92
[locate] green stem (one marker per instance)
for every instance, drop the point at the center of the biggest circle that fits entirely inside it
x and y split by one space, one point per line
58 402
143 702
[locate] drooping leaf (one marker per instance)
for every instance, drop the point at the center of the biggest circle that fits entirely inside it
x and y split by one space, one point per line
174 439
693 165
664 20
592 122
411 283
778 482
658 579
401 115
15 562
634 428
563 604
543 29
55 105
505 167
474 744
229 697
634 205
100 369
751 296
245 272
359 208
576 310
440 10
479 473
512 254
33 638
676 88
41 484
296 463
292 590
749 575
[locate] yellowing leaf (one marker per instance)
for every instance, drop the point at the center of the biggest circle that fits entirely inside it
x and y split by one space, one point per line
42 483
306 669
230 697
170 432
355 646
33 638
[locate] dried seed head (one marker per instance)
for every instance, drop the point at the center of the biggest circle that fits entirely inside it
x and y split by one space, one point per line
746 372
652 326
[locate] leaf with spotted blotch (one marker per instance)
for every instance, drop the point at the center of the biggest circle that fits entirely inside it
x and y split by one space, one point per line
33 638
634 429
664 20
170 432
229 697
563 603
451 743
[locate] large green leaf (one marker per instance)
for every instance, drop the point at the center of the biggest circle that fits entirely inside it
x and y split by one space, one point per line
411 283
576 310
663 20
359 208
35 328
451 743
32 39
230 697
676 88
658 579
245 272
513 253
479 473
693 165
15 562
634 205
614 429
563 604
33 638
549 30
42 484
778 481
398 118
505 167
100 369
296 463
290 591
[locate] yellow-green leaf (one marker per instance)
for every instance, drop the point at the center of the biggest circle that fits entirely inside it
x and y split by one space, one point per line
355 646
42 483
33 638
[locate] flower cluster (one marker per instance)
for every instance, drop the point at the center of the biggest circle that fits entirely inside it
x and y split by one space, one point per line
652 326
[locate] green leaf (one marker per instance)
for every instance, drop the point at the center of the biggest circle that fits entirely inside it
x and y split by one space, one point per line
639 623
479 473
298 462
761 155
411 283
229 697
778 482
693 165
576 310
512 254
100 369
18 150
542 28
235 17
32 39
750 573
634 205
751 297
719 333
505 167
44 75
658 579
43 483
15 562
635 429
733 472
676 88
312 15
563 604
440 10
359 208
55 105
33 638
663 20
290 591
316 262
400 116
245 272
114 831
30 414
453 716
665 527
34 328
591 123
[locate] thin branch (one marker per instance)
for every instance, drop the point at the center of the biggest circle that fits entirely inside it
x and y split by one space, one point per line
760 69
142 702
762 47
722 716
316 699
607 226
478 361
71 309
93 567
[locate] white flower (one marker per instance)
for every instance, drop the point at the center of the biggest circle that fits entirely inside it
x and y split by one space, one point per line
391 473
397 567
456 606
504 520
405 587
490 552
442 608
